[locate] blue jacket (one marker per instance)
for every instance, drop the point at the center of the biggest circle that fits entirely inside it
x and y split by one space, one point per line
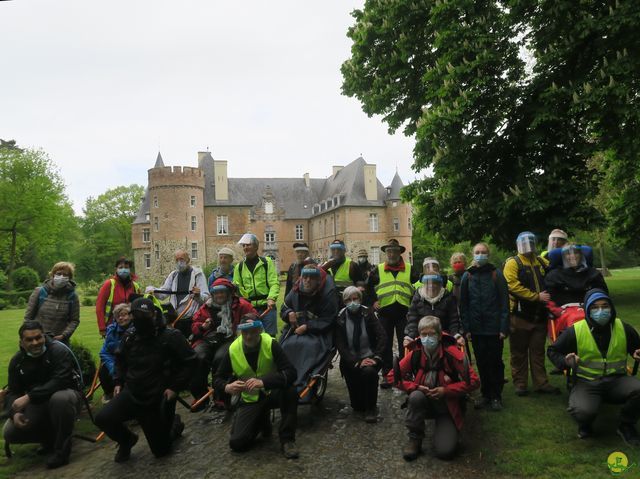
216 273
484 301
111 342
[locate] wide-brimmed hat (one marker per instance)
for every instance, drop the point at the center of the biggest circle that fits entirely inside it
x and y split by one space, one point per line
300 247
393 243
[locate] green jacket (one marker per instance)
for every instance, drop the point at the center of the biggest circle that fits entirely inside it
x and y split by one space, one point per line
258 285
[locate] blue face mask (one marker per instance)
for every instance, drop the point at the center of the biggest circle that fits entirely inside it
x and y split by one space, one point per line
123 272
600 316
353 306
429 342
481 259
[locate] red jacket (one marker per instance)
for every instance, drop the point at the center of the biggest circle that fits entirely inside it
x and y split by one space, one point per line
239 307
120 295
456 376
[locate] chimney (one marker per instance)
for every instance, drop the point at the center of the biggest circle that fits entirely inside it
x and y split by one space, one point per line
336 168
370 183
220 179
307 181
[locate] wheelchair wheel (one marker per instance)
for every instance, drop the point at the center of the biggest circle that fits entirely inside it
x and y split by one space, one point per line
320 388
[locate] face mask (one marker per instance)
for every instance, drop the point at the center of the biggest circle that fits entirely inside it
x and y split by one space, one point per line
481 259
60 280
181 265
353 306
123 273
37 355
430 343
144 326
600 316
458 267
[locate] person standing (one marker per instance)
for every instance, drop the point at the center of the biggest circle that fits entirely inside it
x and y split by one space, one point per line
484 313
257 281
390 288
302 252
458 264
114 291
343 271
364 265
225 266
55 304
525 277
189 291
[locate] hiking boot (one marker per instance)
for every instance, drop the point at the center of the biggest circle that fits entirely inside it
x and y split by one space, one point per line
480 403
412 450
496 405
385 384
289 450
57 460
548 389
522 392
584 431
124 449
628 433
370 417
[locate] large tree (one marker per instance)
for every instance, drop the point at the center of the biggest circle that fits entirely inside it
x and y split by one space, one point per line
504 146
106 228
36 218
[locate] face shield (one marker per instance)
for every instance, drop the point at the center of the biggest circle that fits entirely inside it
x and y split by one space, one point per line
431 266
526 243
572 257
432 284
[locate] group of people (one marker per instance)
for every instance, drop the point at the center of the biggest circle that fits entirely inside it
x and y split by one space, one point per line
225 326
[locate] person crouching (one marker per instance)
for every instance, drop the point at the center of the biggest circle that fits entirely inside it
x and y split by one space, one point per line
256 368
437 376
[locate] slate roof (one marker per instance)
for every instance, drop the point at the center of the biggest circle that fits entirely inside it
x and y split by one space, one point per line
396 186
145 207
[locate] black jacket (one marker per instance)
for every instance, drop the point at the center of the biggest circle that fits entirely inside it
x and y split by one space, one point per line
568 285
446 310
40 377
318 312
147 365
484 301
284 376
375 331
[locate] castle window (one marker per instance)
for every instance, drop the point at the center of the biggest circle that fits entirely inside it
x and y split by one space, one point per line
373 222
156 223
156 250
146 235
269 237
409 223
268 208
299 232
337 224
193 202
410 258
147 217
222 225
194 250
155 201
194 223
375 255
147 260
396 225
394 203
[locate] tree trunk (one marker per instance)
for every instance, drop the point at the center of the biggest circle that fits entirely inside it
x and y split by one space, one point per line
12 256
603 266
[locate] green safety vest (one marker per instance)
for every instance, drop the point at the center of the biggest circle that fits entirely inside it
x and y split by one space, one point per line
342 278
394 290
255 286
591 364
241 368
109 306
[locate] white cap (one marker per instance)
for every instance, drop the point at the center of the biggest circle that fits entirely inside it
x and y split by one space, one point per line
248 238
225 250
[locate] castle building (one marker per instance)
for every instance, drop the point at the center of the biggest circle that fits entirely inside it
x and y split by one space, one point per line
202 210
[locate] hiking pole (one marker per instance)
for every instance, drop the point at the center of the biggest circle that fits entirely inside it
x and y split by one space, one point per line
167 291
95 383
202 399
183 402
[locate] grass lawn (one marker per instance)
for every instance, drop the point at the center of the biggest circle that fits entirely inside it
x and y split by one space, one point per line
533 436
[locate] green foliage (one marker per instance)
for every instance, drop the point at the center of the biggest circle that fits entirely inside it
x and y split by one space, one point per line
88 301
3 280
106 230
507 146
86 362
25 278
12 297
3 304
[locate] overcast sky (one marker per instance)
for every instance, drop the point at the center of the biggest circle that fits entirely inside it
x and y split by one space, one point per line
102 86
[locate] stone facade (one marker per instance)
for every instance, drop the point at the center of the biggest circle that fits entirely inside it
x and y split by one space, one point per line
201 210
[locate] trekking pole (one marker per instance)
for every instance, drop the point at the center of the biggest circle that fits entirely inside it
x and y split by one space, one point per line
95 383
554 335
265 312
166 291
306 390
202 399
183 402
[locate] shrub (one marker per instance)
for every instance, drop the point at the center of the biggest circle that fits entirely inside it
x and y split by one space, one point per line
3 304
21 302
86 362
88 301
25 278
3 280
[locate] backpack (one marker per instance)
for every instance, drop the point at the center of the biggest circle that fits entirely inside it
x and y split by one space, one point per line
43 294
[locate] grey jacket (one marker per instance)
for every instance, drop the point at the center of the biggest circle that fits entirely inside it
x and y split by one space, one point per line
58 310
